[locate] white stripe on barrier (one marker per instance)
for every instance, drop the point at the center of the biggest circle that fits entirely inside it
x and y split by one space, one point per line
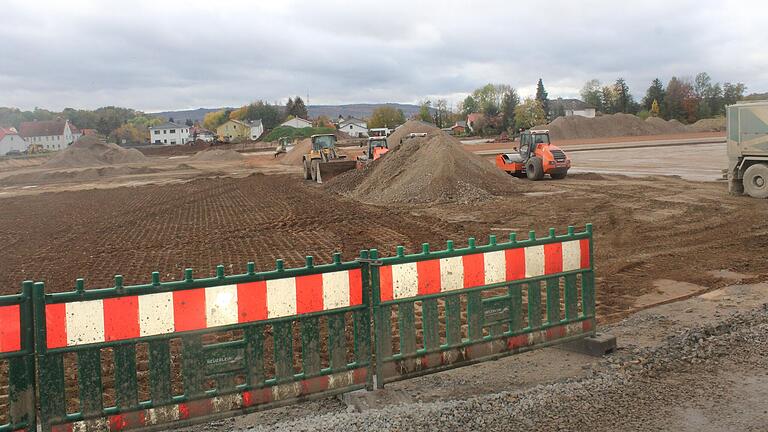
534 261
281 297
156 314
451 273
571 255
335 290
495 264
221 305
85 322
405 280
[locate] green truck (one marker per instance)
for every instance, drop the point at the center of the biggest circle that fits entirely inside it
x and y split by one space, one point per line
747 141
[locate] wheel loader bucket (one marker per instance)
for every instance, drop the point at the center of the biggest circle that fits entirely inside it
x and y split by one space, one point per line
330 169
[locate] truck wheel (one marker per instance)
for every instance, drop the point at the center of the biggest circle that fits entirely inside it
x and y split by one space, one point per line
315 169
534 169
559 175
307 171
756 181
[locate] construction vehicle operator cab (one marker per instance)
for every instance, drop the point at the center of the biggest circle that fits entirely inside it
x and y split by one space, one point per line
530 140
321 142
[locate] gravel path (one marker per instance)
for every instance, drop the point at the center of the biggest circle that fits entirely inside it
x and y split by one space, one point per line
707 378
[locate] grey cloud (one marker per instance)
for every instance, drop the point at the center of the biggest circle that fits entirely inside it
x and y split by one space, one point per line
166 55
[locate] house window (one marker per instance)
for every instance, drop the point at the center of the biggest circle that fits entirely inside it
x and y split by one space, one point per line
350 126
165 131
158 141
165 141
173 130
157 132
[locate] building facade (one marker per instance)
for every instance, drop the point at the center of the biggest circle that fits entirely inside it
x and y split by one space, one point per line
297 123
354 127
169 134
50 135
11 141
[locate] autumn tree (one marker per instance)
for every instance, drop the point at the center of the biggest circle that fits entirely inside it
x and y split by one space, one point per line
442 116
677 94
592 94
386 116
529 114
214 119
624 100
322 121
609 98
655 108
269 115
424 111
129 134
469 106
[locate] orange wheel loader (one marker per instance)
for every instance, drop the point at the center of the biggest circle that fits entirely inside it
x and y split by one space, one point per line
535 158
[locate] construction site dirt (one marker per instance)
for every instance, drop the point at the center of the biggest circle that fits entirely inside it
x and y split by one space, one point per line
647 230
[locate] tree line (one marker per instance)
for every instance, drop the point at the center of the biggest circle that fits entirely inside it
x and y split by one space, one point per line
270 115
681 99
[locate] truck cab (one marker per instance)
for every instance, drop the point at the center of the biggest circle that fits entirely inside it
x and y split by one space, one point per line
747 148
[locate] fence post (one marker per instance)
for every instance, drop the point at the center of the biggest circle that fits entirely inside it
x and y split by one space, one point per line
378 340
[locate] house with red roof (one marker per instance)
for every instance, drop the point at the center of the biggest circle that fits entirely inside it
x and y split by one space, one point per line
11 141
50 134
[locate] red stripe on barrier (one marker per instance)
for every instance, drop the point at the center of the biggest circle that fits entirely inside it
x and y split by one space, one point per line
197 408
429 276
474 270
515 263
130 420
189 310
556 332
584 249
314 385
355 287
553 258
586 325
68 427
121 318
309 293
56 325
10 329
251 301
359 376
257 397
385 283
518 341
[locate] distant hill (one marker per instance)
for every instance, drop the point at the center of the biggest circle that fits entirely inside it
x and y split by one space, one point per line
363 110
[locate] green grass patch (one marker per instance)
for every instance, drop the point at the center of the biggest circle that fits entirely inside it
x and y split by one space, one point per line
292 132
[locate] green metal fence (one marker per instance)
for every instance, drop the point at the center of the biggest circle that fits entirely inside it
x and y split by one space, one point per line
198 349
439 310
177 353
17 362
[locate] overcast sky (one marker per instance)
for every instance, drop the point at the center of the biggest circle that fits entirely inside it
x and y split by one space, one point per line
160 55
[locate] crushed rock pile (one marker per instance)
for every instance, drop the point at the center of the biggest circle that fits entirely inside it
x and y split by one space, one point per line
716 124
90 151
295 156
409 127
612 125
217 156
425 170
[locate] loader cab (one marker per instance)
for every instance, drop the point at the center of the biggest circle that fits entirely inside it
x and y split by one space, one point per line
323 142
376 146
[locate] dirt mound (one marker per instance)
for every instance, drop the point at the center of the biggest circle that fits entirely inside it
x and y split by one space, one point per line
412 126
82 175
612 125
295 156
716 124
426 170
217 156
90 151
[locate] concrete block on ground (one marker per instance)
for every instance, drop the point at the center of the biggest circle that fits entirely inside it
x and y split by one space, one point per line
598 345
364 400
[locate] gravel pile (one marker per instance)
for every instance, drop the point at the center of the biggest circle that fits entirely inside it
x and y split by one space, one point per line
217 156
629 391
90 151
426 170
611 125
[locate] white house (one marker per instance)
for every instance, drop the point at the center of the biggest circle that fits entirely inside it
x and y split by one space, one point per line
297 123
169 134
10 140
571 107
50 134
354 127
198 133
257 128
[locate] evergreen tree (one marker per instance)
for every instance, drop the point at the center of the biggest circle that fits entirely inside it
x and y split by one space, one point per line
624 102
542 96
289 107
654 93
299 109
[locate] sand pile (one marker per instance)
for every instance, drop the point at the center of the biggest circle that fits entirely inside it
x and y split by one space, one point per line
716 124
411 126
217 156
89 151
426 170
295 156
612 125
81 175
